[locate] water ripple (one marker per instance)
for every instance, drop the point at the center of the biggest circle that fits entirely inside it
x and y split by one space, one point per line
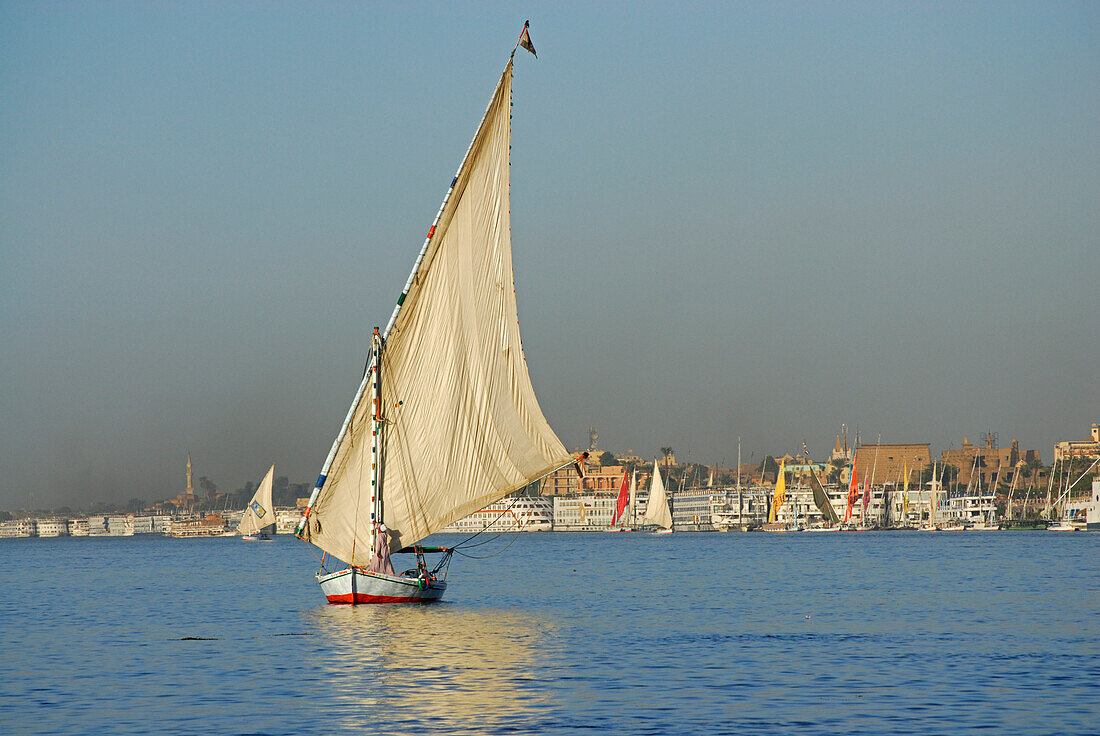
715 634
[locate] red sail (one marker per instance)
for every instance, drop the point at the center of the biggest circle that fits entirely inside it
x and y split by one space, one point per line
624 497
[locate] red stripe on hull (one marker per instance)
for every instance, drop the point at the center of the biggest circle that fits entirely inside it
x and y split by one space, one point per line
362 598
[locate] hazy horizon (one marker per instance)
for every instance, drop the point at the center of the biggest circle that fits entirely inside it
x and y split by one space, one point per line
745 219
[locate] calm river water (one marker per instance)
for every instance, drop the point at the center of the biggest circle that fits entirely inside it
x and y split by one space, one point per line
884 633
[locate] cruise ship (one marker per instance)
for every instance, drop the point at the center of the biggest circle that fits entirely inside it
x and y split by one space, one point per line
17 528
213 525
52 527
510 514
286 519
725 515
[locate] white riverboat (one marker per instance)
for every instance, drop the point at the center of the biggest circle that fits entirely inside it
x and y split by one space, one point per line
52 527
212 525
511 514
17 528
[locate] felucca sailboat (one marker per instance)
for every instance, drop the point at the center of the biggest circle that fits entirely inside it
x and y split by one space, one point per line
445 420
656 508
259 513
624 500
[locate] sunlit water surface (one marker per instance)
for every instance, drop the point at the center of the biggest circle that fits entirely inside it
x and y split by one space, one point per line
884 633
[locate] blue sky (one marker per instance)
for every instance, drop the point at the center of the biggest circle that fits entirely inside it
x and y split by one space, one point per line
755 219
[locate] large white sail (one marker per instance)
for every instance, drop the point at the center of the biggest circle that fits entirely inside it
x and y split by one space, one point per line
259 511
656 509
461 425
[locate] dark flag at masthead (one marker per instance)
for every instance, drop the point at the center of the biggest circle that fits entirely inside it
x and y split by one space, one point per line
525 39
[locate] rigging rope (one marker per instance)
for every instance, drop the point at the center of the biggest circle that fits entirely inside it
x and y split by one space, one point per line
475 535
572 461
515 536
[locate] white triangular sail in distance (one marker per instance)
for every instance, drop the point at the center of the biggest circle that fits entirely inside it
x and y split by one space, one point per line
461 425
656 508
259 512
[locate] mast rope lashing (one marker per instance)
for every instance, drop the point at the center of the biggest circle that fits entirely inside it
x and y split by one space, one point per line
445 561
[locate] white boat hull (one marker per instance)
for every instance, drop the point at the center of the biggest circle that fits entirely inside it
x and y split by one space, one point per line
358 586
1062 527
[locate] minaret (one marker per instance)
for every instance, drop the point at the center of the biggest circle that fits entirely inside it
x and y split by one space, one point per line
190 489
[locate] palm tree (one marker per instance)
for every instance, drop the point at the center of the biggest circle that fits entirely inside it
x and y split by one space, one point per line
667 453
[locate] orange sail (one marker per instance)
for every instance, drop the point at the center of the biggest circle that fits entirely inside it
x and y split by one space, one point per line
853 491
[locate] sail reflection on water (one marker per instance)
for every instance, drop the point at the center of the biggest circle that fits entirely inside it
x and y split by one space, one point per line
397 670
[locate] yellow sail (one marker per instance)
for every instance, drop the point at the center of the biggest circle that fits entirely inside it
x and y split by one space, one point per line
780 492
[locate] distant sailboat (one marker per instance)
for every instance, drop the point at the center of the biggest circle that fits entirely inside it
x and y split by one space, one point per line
905 496
445 420
259 513
656 508
821 500
952 524
866 501
868 479
1066 522
853 491
626 495
932 485
990 523
778 499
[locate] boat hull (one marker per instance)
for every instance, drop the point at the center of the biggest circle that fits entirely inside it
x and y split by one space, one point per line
352 586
